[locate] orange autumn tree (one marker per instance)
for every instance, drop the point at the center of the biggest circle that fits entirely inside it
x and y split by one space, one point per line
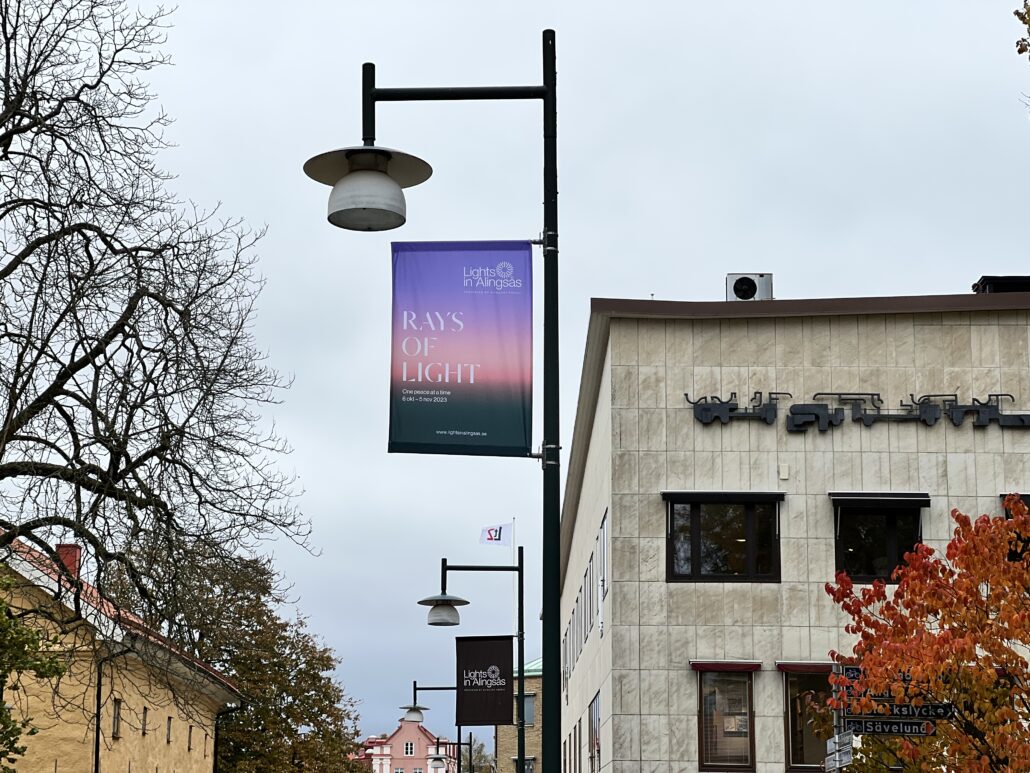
955 629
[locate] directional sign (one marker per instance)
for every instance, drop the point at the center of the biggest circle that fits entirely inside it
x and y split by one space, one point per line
839 741
838 760
924 711
890 727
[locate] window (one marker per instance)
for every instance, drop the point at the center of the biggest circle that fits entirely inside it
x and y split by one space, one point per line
530 764
594 734
719 537
726 723
528 708
205 744
143 721
116 719
416 770
168 730
409 748
398 770
873 532
588 599
802 690
602 547
565 756
189 739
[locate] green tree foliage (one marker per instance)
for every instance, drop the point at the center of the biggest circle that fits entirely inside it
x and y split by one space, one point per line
23 650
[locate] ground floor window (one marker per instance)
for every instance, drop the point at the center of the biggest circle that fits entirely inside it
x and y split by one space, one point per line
807 730
726 720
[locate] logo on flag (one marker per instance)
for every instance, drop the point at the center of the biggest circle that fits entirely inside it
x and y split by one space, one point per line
497 535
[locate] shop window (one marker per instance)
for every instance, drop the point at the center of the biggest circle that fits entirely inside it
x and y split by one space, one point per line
806 737
873 533
726 720
723 537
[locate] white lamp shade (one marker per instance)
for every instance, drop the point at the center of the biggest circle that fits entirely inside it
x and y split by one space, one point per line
436 762
413 715
444 614
367 200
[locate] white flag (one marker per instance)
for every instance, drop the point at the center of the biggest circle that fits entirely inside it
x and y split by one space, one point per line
497 535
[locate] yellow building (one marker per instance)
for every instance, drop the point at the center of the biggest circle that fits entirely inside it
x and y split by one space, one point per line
506 736
128 700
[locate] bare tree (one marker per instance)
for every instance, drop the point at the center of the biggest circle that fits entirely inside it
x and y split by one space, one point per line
130 382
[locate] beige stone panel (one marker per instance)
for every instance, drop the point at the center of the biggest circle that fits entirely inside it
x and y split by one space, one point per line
795 643
991 505
707 342
652 516
847 438
904 470
762 437
990 474
682 606
791 378
682 645
651 388
710 598
711 642
761 378
739 642
654 692
708 438
820 516
795 462
931 318
790 347
625 429
984 343
958 345
625 737
1012 317
901 342
794 560
680 470
707 471
683 693
625 646
654 603
1016 473
825 613
795 603
847 472
624 520
816 442
625 692
707 382
736 471
1012 346
679 341
654 646
984 318
682 735
931 348
624 386
936 521
736 436
815 379
1017 442
652 471
765 604
624 345
625 469
933 472
738 603
622 766
872 340
874 439
793 518
679 382
961 475
652 559
768 643
989 440
652 429
824 639
821 556
762 471
625 603
625 559
847 378
651 343
768 694
679 430
735 345
876 473
844 340
903 438
769 739
762 341
816 341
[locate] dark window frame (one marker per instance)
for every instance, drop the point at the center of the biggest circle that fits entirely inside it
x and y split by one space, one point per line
116 719
890 506
693 500
814 669
715 767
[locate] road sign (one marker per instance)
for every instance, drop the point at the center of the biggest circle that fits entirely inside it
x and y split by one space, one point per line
908 710
869 726
838 760
840 741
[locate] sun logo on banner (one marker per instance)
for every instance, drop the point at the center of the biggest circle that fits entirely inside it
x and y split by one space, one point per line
505 269
493 672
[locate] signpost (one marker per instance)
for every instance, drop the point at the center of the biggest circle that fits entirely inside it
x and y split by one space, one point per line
908 711
838 750
870 726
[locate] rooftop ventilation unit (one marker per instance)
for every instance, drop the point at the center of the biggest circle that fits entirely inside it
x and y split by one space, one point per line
749 287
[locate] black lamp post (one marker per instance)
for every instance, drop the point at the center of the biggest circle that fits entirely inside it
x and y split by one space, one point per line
443 611
367 195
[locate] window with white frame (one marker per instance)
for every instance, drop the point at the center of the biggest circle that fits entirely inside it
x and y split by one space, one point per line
409 748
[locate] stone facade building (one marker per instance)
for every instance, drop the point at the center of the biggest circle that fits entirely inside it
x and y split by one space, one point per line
727 459
506 736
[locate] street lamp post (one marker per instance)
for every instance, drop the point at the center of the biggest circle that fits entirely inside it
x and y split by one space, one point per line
367 195
443 611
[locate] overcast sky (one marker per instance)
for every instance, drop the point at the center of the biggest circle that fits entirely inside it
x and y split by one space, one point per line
870 148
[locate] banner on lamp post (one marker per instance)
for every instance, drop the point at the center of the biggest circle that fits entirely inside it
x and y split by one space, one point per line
485 681
461 374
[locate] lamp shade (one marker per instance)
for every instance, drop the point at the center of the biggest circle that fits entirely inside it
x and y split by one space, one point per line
413 713
444 609
366 185
437 762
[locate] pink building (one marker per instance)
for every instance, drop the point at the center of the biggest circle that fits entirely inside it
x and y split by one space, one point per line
409 749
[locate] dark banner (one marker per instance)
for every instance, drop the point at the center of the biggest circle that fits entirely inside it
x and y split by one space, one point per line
461 375
485 681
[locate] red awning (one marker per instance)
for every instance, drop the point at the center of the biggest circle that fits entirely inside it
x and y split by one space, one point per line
799 667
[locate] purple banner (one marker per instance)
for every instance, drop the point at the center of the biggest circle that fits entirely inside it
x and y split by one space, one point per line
461 379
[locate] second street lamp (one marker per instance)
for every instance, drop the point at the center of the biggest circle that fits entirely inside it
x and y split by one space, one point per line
443 611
